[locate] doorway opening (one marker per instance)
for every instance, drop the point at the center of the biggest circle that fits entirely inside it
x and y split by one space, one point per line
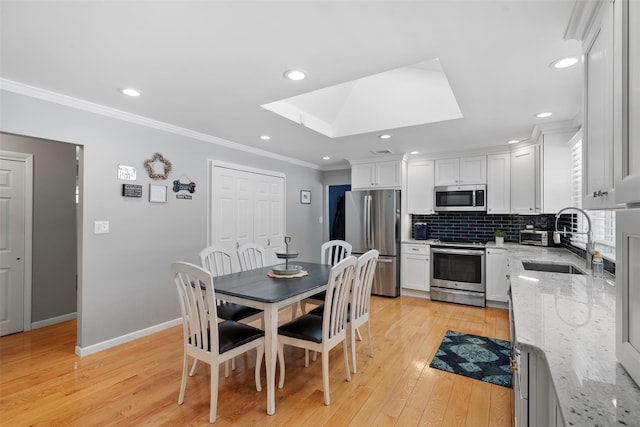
336 211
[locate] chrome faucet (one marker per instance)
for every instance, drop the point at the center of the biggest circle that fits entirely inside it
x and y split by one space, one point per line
590 243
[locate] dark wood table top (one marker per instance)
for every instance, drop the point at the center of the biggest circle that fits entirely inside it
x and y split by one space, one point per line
256 285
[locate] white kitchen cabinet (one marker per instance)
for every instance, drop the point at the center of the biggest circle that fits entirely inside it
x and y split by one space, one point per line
555 155
525 187
598 131
414 272
499 183
496 275
461 171
628 291
627 99
383 174
420 181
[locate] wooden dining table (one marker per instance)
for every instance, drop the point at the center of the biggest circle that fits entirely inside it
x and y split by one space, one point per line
255 288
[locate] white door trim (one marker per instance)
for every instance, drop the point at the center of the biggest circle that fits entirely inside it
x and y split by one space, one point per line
28 229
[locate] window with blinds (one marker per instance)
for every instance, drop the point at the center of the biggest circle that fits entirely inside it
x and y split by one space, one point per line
602 222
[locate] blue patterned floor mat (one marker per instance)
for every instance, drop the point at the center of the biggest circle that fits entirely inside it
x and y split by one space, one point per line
480 358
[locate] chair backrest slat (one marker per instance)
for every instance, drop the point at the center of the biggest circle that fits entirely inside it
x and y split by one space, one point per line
216 260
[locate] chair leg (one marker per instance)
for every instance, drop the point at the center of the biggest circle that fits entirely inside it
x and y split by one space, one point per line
314 356
183 385
294 311
352 344
325 377
281 362
370 340
194 368
346 360
213 404
306 358
358 334
233 364
259 357
226 369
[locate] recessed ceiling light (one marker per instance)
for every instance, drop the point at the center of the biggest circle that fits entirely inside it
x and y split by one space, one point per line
415 152
265 137
384 136
513 141
295 75
545 114
564 62
131 92
326 158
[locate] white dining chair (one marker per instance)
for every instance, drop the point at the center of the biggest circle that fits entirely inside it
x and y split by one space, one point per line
321 334
217 261
331 253
251 256
206 339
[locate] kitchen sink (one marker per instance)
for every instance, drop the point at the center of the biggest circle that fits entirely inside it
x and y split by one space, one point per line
553 268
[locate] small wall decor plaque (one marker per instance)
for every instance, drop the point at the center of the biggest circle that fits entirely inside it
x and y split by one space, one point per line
131 190
157 193
189 186
305 197
126 173
148 164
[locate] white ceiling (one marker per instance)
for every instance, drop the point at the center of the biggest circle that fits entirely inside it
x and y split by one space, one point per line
208 66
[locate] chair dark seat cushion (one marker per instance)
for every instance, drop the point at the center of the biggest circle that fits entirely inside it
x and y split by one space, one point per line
234 334
319 311
237 312
306 327
321 296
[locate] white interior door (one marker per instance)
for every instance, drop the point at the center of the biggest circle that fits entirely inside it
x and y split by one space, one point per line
12 239
247 207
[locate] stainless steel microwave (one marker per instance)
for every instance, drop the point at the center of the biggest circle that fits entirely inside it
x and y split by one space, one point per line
460 198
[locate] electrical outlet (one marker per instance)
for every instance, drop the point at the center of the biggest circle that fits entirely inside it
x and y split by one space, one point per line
101 227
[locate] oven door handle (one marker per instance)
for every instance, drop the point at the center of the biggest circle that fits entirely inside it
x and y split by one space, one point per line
457 251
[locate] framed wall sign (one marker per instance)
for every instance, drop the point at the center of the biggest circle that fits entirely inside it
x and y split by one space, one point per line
157 193
305 197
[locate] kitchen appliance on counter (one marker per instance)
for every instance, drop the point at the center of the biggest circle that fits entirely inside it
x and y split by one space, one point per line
460 198
420 231
458 272
536 237
373 222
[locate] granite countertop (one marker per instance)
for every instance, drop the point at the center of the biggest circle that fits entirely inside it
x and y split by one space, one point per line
569 320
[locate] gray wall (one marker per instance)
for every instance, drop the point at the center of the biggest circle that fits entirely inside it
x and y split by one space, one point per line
53 291
124 281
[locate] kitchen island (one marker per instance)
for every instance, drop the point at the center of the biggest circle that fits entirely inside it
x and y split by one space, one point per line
566 322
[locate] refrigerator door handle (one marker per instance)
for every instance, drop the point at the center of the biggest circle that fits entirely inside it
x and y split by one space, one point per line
370 240
387 260
365 221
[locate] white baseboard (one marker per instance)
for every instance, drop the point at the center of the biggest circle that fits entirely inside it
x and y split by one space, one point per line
85 351
53 320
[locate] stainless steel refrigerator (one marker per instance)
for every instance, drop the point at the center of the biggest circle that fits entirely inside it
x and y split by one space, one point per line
373 222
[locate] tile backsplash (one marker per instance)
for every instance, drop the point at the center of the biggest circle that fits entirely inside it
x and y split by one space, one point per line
478 226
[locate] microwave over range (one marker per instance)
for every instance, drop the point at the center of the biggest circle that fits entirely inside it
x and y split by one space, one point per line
460 198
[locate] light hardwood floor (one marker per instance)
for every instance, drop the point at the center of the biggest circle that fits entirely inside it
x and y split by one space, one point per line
42 382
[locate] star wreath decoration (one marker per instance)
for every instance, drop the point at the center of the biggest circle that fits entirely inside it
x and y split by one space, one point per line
152 174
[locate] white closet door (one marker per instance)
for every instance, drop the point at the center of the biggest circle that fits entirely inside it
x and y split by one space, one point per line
247 207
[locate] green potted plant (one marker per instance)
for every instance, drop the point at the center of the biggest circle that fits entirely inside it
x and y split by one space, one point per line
500 235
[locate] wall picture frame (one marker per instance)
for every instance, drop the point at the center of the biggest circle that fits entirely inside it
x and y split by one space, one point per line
157 193
305 197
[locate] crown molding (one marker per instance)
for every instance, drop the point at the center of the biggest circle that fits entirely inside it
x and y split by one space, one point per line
79 104
583 16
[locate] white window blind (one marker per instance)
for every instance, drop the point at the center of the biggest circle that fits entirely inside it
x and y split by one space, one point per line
602 222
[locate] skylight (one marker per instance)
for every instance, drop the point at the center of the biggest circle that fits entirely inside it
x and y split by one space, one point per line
407 96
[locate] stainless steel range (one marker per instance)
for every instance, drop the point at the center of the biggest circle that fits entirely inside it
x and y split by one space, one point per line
458 272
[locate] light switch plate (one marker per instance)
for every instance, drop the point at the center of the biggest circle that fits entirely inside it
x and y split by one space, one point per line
101 227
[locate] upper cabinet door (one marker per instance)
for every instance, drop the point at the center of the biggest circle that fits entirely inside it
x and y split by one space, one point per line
598 176
447 172
388 174
499 183
420 177
473 170
525 187
627 95
363 175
